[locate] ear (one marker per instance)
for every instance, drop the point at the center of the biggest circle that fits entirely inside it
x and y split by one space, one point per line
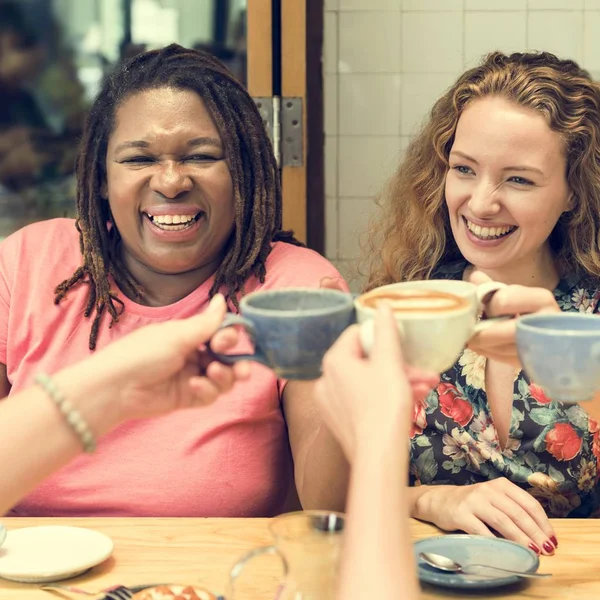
571 202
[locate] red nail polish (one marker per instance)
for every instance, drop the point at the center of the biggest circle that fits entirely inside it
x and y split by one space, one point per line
548 547
554 541
533 547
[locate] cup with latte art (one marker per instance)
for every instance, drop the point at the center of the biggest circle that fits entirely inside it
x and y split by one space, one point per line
435 318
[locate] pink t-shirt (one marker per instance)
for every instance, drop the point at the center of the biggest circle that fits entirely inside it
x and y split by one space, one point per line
229 459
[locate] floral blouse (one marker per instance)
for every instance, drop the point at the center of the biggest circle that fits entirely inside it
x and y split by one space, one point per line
552 450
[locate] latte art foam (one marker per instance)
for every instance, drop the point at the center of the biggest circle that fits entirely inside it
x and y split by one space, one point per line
415 301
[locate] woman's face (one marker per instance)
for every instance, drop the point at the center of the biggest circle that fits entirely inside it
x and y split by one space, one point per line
168 182
506 186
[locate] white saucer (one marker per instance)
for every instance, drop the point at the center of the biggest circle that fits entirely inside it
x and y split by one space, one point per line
51 553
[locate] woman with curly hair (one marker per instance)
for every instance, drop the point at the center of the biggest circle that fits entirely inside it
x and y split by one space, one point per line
504 181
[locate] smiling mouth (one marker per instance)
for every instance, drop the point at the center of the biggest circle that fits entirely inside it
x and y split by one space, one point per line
173 222
489 233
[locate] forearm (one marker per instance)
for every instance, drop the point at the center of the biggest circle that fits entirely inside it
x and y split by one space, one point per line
322 476
36 438
378 560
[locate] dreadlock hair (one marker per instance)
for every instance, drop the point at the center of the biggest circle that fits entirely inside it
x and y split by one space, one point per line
254 173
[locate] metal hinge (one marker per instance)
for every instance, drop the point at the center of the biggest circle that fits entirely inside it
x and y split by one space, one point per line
283 119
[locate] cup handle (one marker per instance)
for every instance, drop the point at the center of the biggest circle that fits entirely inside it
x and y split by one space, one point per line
485 292
230 359
242 563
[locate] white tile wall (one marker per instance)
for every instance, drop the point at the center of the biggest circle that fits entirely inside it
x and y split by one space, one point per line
487 31
387 61
432 42
364 163
419 93
369 104
495 6
354 214
358 53
559 32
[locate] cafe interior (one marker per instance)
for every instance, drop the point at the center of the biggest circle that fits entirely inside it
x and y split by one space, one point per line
357 141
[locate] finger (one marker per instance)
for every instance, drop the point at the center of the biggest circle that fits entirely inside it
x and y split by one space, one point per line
519 525
203 391
477 277
198 329
533 507
495 517
346 347
221 376
224 339
518 299
242 370
474 526
333 283
420 392
416 375
387 340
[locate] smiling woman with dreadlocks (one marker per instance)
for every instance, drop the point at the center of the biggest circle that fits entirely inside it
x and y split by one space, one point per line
178 198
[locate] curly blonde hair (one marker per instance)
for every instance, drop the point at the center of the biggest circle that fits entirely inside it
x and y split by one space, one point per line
411 236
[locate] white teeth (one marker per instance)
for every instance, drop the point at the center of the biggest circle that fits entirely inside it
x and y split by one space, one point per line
171 219
489 232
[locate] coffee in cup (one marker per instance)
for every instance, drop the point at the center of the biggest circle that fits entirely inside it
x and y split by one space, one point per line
435 318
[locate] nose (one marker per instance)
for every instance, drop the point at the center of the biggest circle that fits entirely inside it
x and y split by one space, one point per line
171 180
485 199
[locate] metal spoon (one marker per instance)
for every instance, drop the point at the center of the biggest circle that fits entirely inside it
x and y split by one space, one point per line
443 563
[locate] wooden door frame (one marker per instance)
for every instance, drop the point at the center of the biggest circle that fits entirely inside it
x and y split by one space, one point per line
301 47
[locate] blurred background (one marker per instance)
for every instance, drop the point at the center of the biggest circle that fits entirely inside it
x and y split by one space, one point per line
54 55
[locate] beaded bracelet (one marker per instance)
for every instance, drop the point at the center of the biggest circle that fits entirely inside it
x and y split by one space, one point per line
70 413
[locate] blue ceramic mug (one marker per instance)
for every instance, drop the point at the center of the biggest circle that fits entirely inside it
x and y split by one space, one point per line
561 352
291 328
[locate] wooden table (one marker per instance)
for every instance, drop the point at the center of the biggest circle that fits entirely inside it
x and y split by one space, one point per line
202 551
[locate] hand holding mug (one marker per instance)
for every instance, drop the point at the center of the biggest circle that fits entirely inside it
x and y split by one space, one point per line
499 342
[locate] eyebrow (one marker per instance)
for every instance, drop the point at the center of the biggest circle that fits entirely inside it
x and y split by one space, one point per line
193 143
510 168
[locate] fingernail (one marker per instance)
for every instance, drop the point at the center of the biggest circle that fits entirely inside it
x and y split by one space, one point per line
554 541
548 547
533 547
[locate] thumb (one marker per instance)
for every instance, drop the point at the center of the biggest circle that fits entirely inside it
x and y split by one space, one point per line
477 277
200 328
332 283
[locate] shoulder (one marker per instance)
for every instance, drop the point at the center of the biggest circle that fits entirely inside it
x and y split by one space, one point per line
289 265
580 294
47 246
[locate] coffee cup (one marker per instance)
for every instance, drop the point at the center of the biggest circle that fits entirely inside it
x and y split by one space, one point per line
291 328
561 353
435 318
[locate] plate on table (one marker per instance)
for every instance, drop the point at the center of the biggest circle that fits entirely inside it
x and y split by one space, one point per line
475 549
51 553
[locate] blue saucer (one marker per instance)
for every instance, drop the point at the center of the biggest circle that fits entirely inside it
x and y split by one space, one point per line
475 549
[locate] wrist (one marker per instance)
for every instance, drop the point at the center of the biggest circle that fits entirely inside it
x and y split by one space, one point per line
91 394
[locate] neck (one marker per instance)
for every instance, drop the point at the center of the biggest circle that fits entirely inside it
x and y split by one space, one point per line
162 289
538 271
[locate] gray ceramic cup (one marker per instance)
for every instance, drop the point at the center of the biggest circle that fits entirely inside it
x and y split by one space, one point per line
561 353
291 328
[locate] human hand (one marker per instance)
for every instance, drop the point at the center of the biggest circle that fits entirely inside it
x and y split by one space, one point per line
160 368
363 399
498 341
498 505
